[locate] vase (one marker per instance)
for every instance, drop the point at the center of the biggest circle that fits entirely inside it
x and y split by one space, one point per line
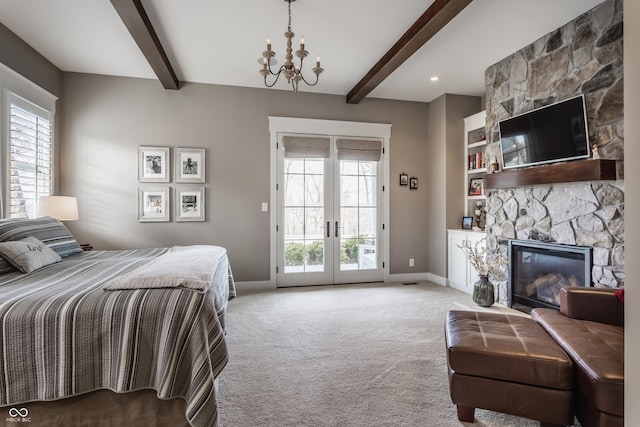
483 293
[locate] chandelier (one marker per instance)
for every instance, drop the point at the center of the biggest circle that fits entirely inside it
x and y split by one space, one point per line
291 71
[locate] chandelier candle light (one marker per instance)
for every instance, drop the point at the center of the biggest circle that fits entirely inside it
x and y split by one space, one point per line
291 71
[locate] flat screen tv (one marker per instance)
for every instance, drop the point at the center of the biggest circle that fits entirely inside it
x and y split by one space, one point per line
554 133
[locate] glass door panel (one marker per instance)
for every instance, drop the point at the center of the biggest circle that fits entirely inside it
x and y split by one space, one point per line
304 215
358 216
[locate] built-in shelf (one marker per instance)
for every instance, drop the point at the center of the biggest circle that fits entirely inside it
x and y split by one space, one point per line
478 144
577 171
474 171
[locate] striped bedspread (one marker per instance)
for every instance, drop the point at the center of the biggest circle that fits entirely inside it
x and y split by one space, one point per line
62 335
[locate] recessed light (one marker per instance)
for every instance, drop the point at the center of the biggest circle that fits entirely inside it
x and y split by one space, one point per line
435 78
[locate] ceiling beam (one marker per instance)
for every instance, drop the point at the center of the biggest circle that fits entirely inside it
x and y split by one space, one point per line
433 20
137 22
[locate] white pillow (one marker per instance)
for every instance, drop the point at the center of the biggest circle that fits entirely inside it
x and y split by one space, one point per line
28 254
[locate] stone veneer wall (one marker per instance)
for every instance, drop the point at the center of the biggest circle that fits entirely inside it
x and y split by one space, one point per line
584 56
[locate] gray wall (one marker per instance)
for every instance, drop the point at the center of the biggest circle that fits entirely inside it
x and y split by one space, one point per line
19 56
446 174
437 196
105 119
632 203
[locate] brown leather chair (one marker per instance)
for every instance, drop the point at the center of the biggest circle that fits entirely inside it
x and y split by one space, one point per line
590 328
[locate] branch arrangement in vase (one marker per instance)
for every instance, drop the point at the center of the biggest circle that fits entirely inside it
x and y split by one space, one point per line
477 256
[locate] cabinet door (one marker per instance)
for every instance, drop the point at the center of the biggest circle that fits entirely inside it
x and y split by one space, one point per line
457 263
474 238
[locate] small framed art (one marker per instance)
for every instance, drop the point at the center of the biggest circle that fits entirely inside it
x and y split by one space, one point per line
404 179
467 222
189 164
189 203
413 183
153 164
153 204
475 187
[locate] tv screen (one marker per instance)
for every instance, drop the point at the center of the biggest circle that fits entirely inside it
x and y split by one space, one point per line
554 133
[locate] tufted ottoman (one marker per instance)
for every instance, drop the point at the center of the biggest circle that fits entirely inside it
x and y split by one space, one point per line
509 364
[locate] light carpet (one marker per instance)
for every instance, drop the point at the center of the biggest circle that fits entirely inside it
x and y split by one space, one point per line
347 355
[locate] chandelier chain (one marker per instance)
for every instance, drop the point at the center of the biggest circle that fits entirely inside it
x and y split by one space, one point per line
289 27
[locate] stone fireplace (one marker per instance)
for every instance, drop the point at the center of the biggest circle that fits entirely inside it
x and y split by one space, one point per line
538 270
584 56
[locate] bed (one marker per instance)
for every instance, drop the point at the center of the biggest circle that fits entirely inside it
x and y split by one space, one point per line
67 337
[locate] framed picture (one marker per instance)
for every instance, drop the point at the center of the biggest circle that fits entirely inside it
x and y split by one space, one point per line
189 164
467 222
189 203
404 179
413 183
153 204
153 164
475 187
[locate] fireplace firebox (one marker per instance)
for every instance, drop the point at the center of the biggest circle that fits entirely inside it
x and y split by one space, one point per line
538 270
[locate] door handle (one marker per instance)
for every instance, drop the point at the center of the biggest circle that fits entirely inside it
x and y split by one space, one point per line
328 228
336 229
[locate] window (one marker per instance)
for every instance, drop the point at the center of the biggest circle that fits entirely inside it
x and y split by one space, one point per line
29 156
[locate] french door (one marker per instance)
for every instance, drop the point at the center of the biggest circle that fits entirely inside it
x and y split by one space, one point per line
328 224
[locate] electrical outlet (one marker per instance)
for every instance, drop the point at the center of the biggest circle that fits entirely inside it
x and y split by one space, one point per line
411 262
265 207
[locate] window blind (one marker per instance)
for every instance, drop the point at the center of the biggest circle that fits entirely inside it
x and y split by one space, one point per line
30 156
306 147
365 150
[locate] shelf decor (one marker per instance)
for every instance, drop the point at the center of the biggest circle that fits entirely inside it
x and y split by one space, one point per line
476 187
467 222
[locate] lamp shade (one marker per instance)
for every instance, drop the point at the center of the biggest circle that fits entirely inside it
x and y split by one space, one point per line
62 208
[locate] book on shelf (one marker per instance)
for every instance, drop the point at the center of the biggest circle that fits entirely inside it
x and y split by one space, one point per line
477 161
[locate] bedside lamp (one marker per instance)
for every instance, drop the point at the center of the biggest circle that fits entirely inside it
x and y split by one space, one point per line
62 208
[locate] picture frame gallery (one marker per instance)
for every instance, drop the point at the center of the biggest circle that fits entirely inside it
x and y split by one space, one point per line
155 202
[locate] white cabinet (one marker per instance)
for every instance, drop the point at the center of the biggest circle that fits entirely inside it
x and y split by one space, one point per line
461 275
475 142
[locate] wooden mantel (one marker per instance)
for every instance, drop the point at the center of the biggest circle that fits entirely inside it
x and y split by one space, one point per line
580 170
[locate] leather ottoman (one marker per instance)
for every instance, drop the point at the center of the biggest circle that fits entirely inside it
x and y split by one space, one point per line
509 364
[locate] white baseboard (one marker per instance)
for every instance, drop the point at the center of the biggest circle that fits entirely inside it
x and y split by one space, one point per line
255 286
267 285
442 281
409 277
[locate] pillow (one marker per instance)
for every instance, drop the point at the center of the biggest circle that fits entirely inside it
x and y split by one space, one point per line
28 254
48 230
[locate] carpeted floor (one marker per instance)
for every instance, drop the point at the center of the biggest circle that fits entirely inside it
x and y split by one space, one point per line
349 355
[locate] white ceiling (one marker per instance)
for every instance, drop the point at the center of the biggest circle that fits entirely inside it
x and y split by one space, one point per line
219 42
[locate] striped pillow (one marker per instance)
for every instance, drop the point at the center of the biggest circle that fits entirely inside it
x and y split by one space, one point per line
48 230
